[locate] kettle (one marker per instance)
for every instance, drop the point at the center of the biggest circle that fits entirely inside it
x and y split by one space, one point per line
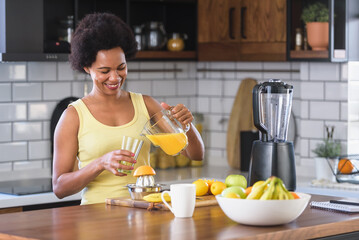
154 36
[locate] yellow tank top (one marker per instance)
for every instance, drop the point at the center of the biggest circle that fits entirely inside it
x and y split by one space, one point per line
96 139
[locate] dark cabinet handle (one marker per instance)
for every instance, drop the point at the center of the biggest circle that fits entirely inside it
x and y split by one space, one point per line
231 14
243 11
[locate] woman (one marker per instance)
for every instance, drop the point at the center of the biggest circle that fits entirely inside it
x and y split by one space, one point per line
91 129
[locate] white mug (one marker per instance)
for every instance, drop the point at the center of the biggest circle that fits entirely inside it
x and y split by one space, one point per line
183 199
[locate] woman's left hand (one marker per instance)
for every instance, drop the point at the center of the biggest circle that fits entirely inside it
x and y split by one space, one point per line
180 112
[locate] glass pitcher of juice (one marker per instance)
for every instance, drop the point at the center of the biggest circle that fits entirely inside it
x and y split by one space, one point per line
166 132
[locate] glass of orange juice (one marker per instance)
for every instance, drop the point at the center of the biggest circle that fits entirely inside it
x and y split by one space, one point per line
166 132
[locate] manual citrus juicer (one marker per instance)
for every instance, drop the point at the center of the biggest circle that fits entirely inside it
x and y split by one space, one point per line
272 154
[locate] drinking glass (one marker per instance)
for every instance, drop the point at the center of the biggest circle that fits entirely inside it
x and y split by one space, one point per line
133 145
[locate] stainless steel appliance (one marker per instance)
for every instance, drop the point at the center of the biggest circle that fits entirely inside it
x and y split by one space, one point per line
272 154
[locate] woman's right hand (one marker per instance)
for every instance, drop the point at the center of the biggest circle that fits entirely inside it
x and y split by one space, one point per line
111 161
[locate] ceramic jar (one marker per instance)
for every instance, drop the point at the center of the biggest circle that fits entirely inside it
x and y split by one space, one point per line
175 43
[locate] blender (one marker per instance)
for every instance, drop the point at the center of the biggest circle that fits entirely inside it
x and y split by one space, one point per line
272 154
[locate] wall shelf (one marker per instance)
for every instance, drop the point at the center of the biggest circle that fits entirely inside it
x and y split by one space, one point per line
302 54
166 55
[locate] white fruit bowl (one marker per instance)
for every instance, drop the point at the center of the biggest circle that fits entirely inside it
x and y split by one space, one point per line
263 212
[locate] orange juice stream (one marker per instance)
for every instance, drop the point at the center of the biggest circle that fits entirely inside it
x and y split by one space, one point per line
171 143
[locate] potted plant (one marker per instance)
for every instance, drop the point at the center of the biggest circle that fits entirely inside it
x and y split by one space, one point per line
326 153
316 18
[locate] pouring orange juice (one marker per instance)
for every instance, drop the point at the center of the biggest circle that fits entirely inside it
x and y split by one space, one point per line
166 132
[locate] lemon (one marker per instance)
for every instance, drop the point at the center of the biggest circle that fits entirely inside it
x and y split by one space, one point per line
217 187
201 187
232 195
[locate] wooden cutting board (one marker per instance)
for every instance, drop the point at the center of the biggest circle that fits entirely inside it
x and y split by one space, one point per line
203 201
241 119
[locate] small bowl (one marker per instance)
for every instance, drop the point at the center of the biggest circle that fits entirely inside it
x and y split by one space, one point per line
263 212
137 193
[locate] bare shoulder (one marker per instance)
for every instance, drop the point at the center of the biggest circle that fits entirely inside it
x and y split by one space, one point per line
152 105
69 120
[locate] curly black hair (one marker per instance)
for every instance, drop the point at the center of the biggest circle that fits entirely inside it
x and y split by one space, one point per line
100 31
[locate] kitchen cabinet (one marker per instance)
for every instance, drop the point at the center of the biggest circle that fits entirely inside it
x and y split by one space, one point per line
242 30
40 33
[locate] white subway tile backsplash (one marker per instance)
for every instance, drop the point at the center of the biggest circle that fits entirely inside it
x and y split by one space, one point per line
310 90
210 88
231 87
255 75
353 134
336 91
164 88
213 122
11 71
311 129
78 89
39 149
353 71
304 71
344 111
353 111
185 70
65 72
217 105
324 110
57 91
5 92
324 71
159 74
13 151
27 131
353 90
12 112
344 72
46 130
27 92
304 147
220 66
5 132
340 129
187 87
6 167
143 87
203 104
41 111
169 67
353 146
42 71
249 65
227 105
218 140
276 66
304 111
284 76
23 165
133 70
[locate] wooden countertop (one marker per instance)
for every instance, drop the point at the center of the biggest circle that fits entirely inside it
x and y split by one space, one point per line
100 221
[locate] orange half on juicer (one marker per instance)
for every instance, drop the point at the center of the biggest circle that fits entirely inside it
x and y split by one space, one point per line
144 176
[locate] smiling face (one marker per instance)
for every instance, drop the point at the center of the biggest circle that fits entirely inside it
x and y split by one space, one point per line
109 71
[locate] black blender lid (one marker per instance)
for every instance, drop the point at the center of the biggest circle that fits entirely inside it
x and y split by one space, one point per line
276 86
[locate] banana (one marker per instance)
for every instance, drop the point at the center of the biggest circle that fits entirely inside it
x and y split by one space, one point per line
257 192
156 197
268 193
277 189
286 193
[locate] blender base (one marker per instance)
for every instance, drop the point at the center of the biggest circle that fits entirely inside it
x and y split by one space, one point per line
273 159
